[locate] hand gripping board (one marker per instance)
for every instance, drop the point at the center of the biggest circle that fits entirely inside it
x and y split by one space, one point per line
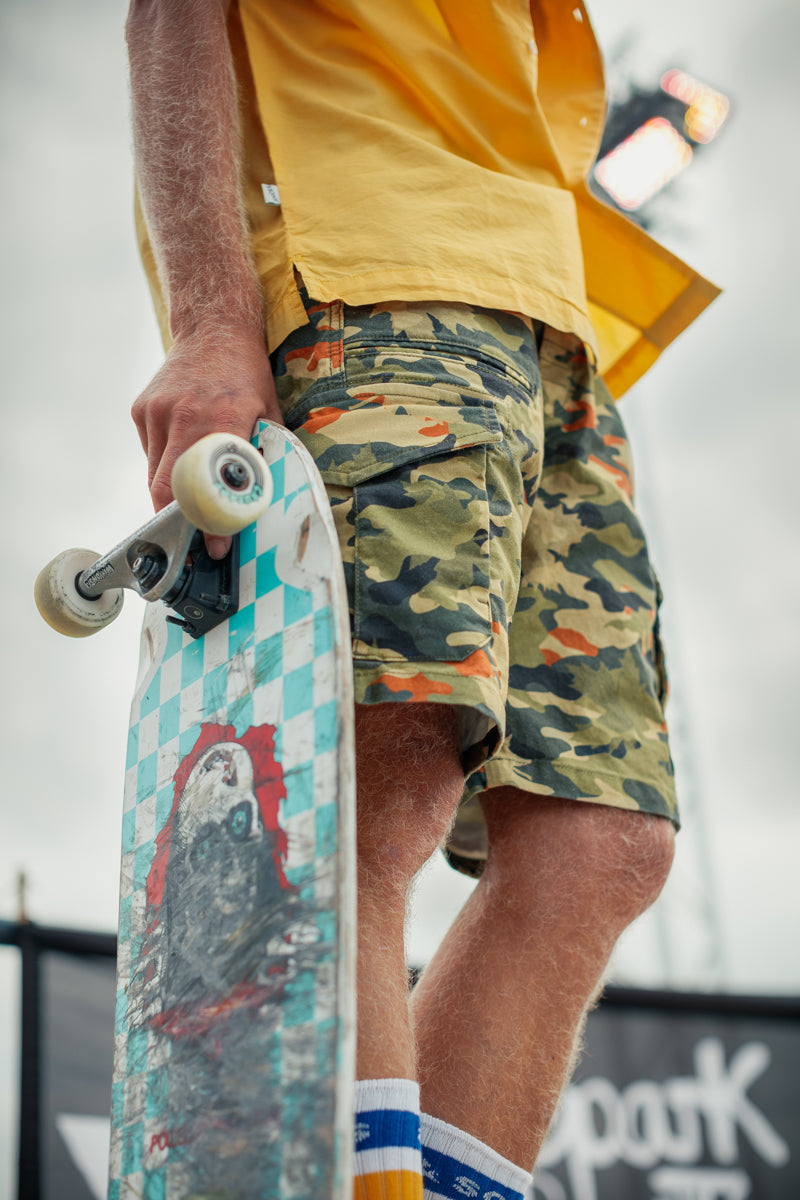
234 1051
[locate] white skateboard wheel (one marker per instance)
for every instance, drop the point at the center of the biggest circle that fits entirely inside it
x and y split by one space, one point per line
62 605
221 484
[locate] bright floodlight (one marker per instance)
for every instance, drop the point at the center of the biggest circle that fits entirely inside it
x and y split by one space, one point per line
706 110
641 165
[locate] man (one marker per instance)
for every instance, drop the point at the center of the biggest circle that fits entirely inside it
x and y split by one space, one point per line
368 220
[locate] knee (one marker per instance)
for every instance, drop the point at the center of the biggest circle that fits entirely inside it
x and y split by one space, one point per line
634 856
409 782
587 858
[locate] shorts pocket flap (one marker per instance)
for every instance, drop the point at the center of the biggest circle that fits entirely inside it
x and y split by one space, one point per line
376 435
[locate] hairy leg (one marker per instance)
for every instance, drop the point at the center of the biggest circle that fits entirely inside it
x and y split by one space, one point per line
497 1013
409 782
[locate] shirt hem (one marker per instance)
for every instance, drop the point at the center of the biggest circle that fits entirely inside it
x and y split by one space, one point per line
385 286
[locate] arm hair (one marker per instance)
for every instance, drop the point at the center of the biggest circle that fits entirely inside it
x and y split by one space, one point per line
187 147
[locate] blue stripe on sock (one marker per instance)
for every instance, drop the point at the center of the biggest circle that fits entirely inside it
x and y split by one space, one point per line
445 1176
386 1127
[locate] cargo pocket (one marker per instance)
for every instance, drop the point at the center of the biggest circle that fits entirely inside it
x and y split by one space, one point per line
408 483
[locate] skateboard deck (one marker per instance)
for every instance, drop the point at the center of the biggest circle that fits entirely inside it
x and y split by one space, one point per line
234 1041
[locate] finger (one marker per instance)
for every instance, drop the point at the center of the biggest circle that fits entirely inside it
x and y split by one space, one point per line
160 493
164 455
217 547
140 422
157 480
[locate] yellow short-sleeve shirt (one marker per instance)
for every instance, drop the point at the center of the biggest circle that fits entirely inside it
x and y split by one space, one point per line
438 149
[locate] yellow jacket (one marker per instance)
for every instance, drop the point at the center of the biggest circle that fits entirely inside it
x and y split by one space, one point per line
438 149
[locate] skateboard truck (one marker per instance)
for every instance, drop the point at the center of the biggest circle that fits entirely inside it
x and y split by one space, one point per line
207 591
221 484
167 560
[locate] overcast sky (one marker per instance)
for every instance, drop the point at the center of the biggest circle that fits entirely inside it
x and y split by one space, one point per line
715 428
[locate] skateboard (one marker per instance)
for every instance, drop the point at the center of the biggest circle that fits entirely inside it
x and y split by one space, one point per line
234 1044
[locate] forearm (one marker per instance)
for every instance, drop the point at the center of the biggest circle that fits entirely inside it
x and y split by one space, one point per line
186 140
216 375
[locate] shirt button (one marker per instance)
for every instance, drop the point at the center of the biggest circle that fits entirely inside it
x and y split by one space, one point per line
577 14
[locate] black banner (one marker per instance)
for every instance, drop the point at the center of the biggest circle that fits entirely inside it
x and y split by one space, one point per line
67 1029
78 998
677 1096
671 1104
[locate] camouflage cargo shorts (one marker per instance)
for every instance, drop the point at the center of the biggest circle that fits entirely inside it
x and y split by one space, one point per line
481 486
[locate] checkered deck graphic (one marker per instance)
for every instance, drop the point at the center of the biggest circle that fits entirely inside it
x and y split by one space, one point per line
283 661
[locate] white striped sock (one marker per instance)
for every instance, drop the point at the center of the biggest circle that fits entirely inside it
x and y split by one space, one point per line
387 1145
455 1165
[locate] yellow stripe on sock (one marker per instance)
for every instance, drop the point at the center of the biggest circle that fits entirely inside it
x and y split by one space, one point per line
388 1185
